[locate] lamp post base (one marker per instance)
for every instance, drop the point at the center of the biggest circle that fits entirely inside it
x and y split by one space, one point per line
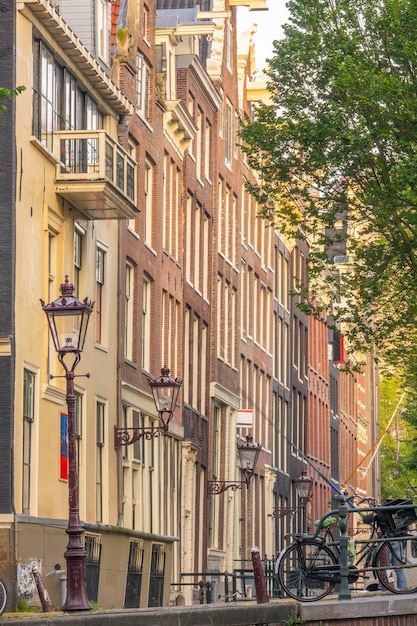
76 599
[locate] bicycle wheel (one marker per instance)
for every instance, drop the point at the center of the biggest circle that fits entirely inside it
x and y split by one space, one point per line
3 597
306 571
396 564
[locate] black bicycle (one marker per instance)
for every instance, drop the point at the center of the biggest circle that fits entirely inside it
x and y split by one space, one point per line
309 568
3 597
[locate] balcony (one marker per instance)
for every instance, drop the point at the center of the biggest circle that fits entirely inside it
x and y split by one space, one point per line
95 174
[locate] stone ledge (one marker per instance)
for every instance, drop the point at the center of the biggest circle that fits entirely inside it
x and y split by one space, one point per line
377 605
239 614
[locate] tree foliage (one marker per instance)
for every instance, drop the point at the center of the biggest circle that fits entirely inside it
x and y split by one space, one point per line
7 94
399 442
337 157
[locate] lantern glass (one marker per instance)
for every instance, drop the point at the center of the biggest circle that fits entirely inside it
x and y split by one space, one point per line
248 455
304 487
165 391
68 319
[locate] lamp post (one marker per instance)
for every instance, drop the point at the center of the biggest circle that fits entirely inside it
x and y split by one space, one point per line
68 321
248 457
304 489
165 391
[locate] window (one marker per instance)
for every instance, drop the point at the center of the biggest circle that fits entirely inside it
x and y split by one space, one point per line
199 142
145 23
142 86
187 342
172 216
78 424
228 133
157 571
235 136
138 421
221 120
229 46
100 258
148 201
134 575
196 251
205 255
100 415
28 419
58 102
220 317
92 545
171 322
78 259
103 28
146 323
208 151
191 110
128 334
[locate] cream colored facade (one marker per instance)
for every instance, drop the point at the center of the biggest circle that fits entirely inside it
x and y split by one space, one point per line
57 212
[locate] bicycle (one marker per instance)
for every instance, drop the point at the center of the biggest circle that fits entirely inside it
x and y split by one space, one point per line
3 597
309 568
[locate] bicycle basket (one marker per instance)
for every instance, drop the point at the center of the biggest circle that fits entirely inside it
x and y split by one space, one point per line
395 521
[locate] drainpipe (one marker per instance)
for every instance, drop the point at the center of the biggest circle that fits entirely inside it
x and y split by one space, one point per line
119 381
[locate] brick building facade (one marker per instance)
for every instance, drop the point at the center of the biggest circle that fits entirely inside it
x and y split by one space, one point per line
184 275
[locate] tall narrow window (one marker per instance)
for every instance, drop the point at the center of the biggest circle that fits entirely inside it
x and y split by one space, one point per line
199 143
221 115
145 23
195 356
186 373
236 135
128 334
208 152
78 260
134 575
51 266
228 133
28 419
100 414
205 259
197 244
146 323
138 421
100 258
47 102
216 442
103 30
189 239
148 201
191 109
229 46
143 78
78 423
157 570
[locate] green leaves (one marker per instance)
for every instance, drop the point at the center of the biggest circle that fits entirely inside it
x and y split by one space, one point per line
7 94
337 156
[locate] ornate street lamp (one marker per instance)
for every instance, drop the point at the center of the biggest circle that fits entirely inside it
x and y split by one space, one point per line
68 321
304 489
248 457
165 393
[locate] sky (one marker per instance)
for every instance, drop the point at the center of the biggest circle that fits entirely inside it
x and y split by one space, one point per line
269 26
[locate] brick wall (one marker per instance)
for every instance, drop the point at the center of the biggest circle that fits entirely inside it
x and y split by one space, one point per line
7 251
